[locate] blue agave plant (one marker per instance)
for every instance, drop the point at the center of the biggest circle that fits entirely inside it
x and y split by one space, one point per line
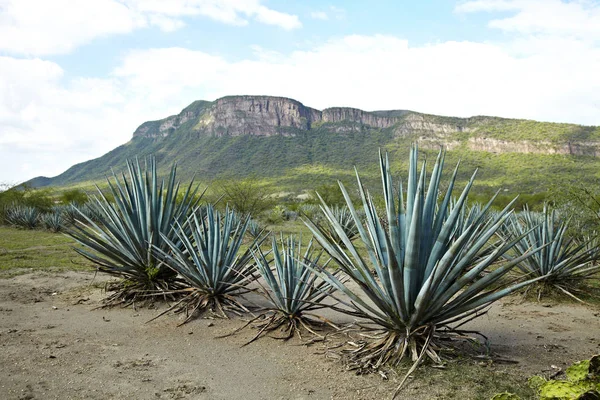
420 278
122 235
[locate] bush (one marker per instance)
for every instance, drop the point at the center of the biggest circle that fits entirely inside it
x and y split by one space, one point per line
246 196
24 196
74 196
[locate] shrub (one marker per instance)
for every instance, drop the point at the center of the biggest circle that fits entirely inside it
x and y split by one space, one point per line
74 196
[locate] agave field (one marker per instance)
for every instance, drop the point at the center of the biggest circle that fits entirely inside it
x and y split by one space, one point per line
390 283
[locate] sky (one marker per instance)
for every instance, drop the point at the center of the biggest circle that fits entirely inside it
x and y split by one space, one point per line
78 76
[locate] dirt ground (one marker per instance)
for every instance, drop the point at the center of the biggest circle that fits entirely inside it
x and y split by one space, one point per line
56 344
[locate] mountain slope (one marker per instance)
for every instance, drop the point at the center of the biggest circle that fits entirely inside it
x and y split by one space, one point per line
294 146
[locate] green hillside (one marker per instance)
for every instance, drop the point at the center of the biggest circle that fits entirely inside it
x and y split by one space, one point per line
299 159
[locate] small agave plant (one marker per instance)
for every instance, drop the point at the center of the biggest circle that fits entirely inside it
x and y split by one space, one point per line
23 216
122 235
206 253
54 221
73 212
255 229
563 263
418 280
292 288
346 221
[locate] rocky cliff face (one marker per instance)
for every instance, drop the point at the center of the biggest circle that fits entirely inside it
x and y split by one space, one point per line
527 147
164 127
268 116
256 115
345 114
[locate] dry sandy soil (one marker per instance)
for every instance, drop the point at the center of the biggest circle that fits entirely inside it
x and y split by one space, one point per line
57 344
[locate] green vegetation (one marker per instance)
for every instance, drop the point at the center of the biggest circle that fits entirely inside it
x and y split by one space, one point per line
246 196
297 159
74 196
465 379
533 131
346 222
582 382
16 200
292 288
54 221
425 261
25 250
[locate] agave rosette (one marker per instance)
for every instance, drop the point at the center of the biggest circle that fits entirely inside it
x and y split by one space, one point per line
563 263
22 216
206 253
122 237
55 220
292 287
419 279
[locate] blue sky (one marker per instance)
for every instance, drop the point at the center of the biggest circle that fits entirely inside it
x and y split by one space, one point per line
77 77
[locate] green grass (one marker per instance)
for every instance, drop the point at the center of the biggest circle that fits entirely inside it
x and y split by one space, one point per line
467 379
520 129
25 250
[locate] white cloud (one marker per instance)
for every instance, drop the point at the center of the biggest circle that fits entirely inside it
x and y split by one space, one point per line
383 72
68 121
272 17
547 70
332 12
48 124
58 26
40 27
580 19
322 15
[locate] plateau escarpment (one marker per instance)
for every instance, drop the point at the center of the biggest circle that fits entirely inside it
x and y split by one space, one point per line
276 137
267 116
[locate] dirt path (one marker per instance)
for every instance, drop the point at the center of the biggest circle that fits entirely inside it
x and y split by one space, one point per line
56 345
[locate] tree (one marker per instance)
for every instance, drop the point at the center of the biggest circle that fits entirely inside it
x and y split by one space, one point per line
75 196
246 196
